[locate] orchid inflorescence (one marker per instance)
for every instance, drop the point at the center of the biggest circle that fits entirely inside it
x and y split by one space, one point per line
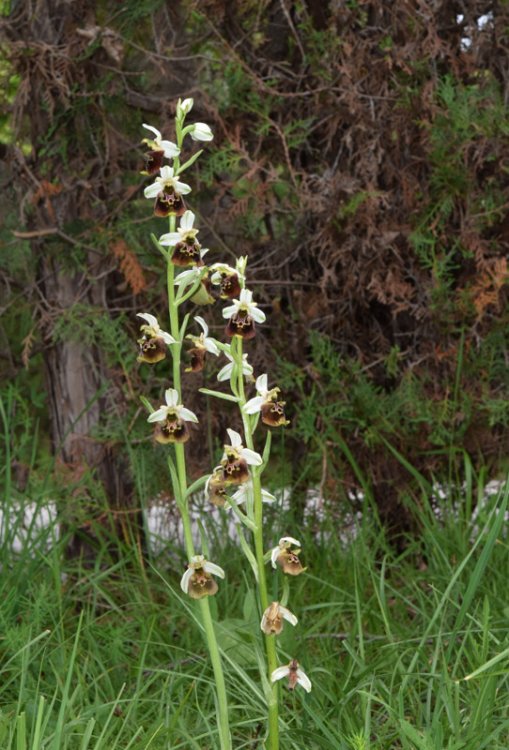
236 480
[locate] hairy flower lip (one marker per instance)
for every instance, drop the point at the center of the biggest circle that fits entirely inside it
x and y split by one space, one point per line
296 676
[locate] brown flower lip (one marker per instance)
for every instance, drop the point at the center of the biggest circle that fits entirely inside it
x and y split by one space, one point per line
201 584
169 202
187 254
273 414
152 349
235 469
216 488
241 324
197 359
229 288
153 162
290 563
172 430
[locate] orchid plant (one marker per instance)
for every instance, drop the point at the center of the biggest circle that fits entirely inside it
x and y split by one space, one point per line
237 479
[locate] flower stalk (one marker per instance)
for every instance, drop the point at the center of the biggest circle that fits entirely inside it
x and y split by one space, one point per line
182 499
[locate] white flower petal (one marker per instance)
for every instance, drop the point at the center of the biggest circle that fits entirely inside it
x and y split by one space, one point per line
241 495
231 310
170 238
187 220
251 457
186 579
169 148
246 297
215 570
274 556
202 324
235 438
211 346
171 396
201 132
166 173
304 680
225 373
254 405
181 187
187 414
150 319
185 106
290 540
152 191
261 383
153 130
198 560
289 616
279 673
267 497
159 415
257 315
167 338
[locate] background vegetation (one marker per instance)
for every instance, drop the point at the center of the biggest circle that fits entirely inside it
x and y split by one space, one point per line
360 159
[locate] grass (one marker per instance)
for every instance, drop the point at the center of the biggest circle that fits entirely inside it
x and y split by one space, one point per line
405 650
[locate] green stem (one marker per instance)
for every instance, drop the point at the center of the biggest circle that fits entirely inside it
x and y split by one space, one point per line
270 640
180 460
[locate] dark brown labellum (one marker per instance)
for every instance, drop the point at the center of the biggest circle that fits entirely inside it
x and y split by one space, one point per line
201 584
273 414
197 357
173 430
169 202
229 287
235 470
187 254
153 161
152 350
241 324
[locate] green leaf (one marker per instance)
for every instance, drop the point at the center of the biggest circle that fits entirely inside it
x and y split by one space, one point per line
218 394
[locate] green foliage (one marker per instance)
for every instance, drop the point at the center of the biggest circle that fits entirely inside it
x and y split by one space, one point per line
402 649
